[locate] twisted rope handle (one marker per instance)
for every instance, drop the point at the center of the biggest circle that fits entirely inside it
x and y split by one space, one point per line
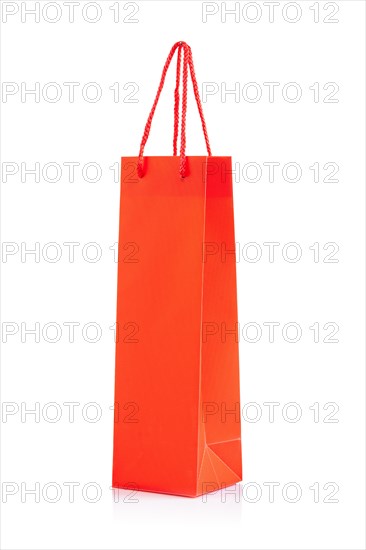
176 100
198 101
187 62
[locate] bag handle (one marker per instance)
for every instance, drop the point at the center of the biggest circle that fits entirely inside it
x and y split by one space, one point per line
176 99
187 62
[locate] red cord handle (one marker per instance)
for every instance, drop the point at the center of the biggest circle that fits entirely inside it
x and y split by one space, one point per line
176 101
187 62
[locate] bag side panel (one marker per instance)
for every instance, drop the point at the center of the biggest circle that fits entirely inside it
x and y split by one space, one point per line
220 433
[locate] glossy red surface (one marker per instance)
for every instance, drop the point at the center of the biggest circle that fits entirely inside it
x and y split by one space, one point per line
177 373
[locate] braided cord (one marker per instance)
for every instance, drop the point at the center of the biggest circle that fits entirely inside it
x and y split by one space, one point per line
187 62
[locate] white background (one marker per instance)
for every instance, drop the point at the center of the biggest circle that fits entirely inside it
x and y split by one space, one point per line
313 451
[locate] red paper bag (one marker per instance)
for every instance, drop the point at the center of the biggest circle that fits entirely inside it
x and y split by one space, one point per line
177 404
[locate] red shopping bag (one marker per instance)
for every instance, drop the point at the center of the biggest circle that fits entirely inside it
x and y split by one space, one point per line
177 405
